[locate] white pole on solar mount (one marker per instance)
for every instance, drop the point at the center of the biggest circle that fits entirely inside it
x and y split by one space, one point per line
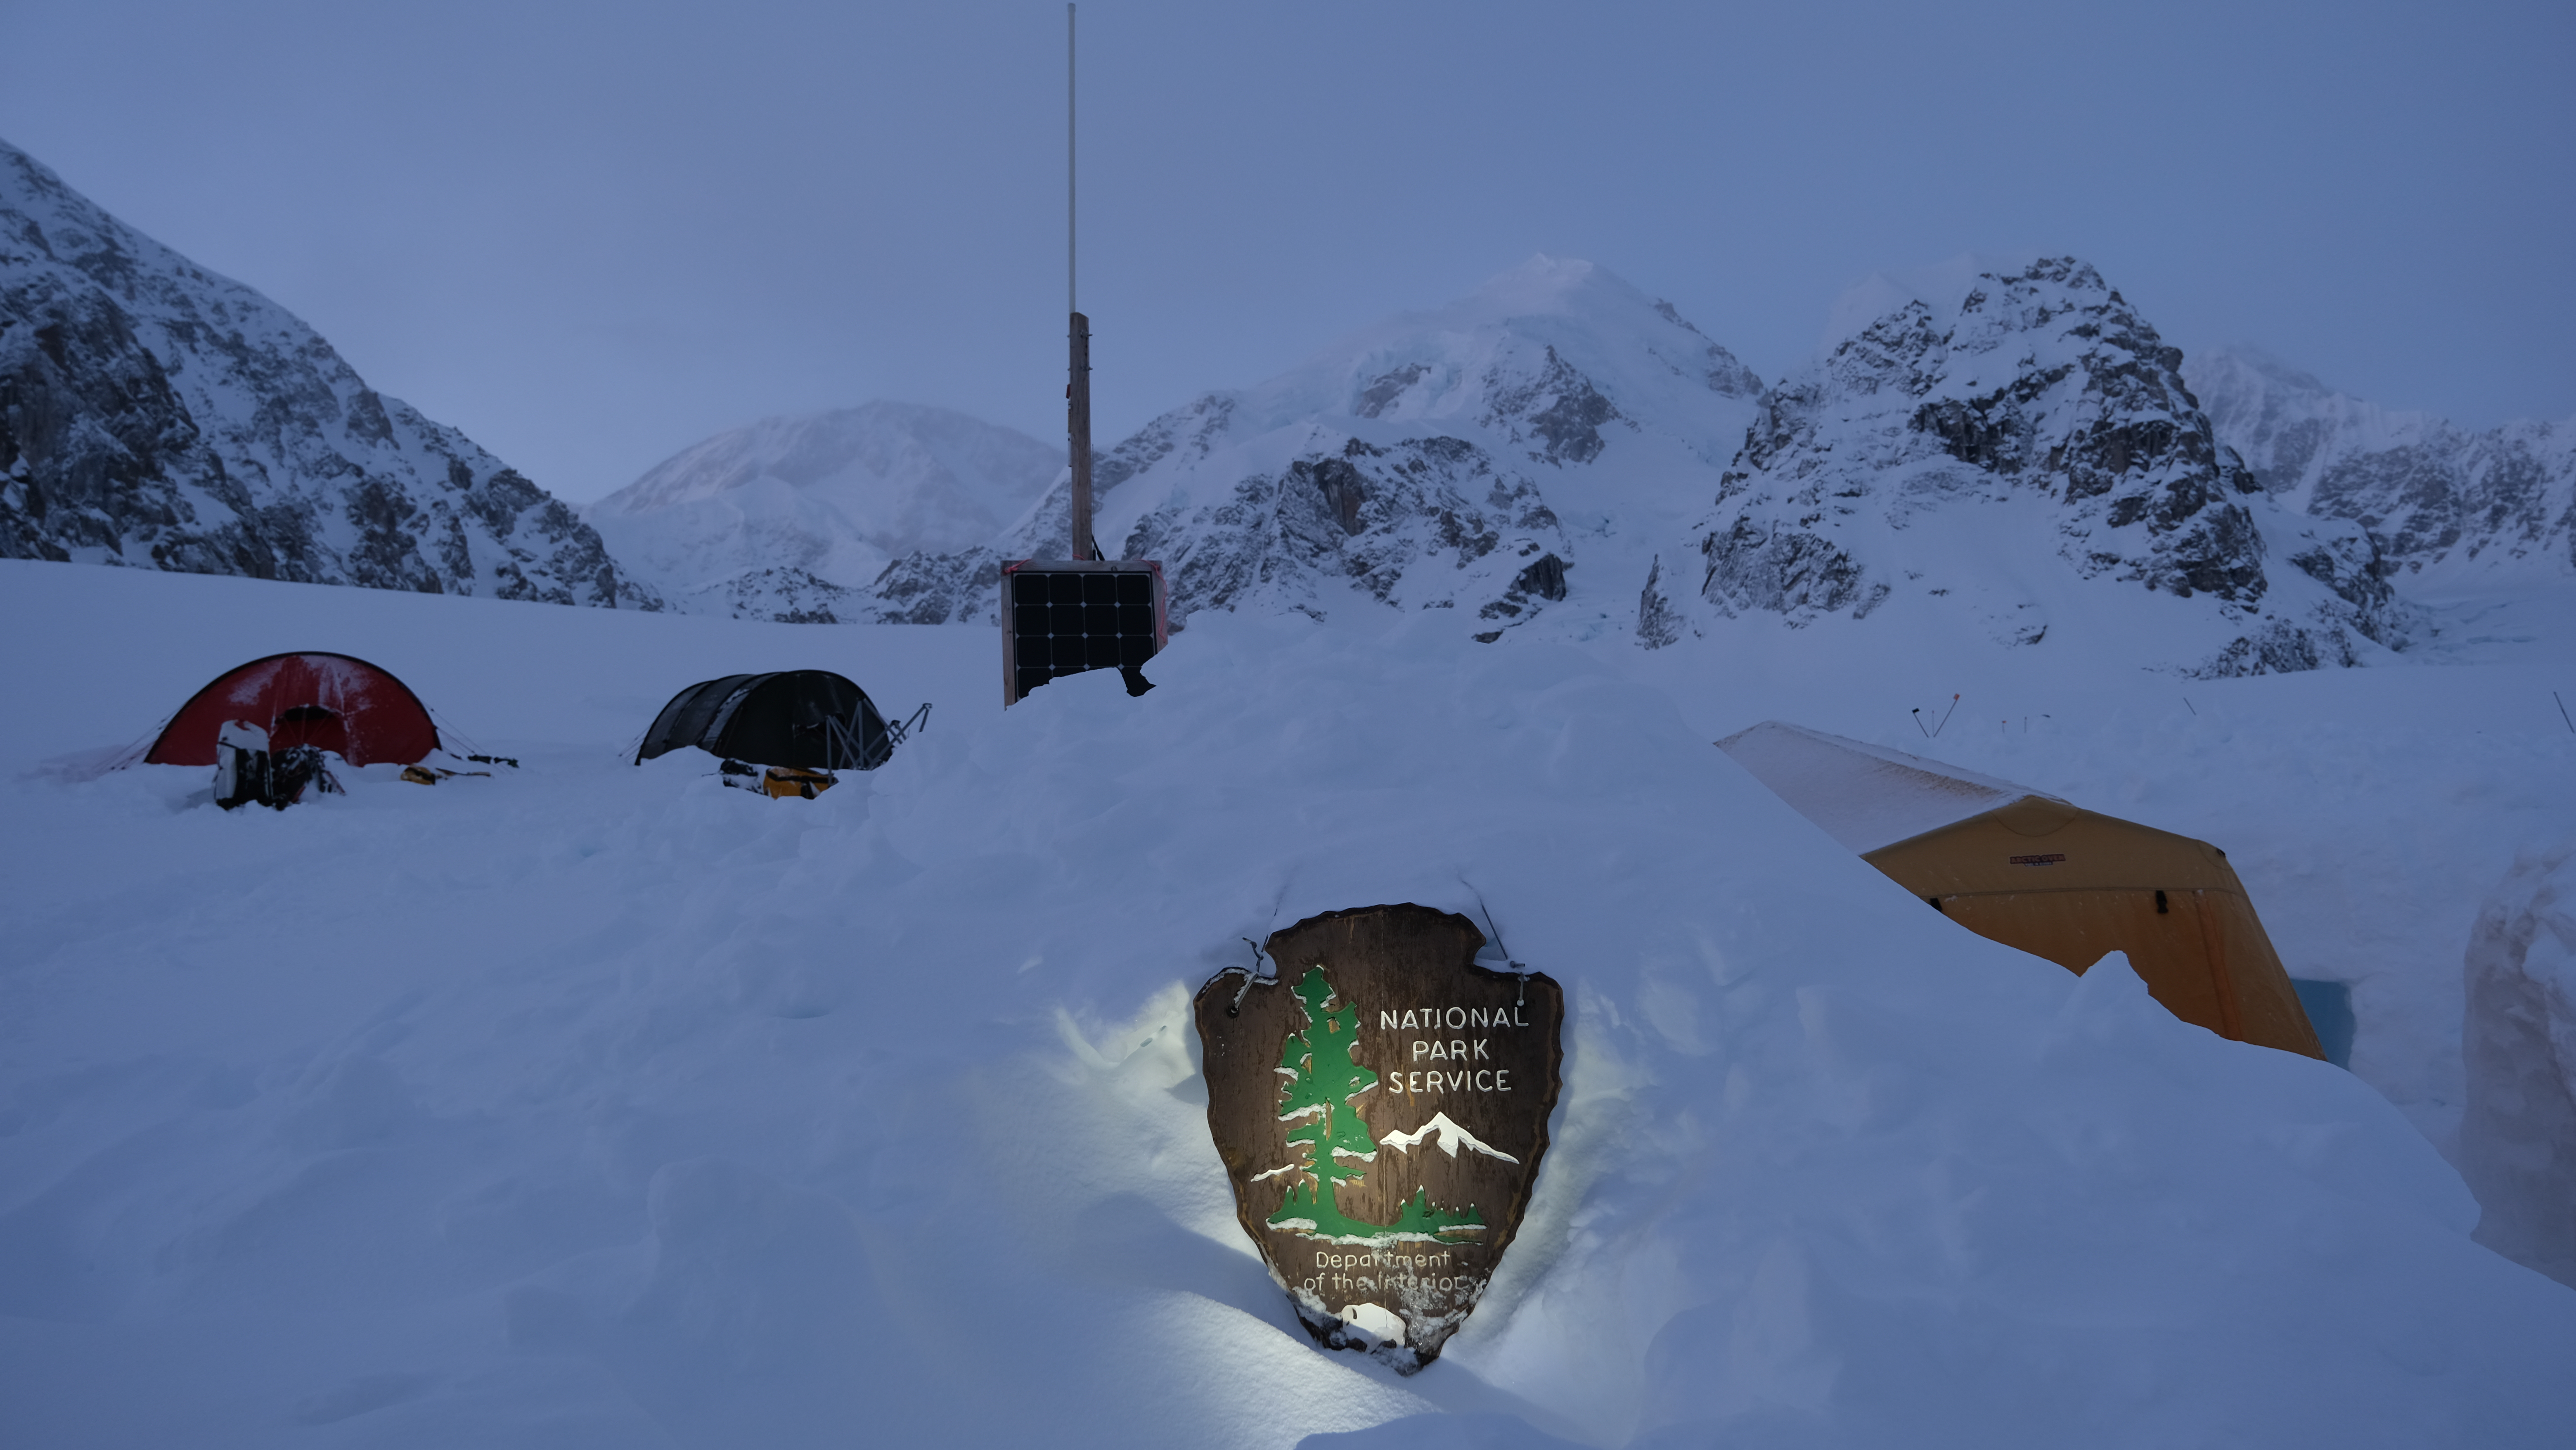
1077 392
1070 304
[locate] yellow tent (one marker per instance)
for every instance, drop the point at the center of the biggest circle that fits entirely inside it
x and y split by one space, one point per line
2035 872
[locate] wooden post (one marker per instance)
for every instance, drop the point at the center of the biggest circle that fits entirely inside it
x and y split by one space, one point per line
1078 431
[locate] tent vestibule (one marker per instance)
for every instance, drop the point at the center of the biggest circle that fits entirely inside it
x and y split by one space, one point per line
2038 873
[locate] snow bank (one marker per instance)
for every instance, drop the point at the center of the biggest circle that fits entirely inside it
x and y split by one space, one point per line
2518 1139
600 1104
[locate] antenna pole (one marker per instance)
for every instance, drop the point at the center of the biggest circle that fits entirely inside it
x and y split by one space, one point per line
1070 304
1077 392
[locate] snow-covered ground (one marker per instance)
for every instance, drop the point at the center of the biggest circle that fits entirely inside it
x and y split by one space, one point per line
595 1104
2369 811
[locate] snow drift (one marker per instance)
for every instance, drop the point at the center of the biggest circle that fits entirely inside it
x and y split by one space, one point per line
600 1104
2518 1137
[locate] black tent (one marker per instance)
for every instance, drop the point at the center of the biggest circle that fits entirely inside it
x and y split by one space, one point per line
810 719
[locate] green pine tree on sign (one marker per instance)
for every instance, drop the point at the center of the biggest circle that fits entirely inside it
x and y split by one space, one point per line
1322 1082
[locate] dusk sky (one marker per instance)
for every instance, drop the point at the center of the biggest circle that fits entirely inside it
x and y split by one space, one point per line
590 234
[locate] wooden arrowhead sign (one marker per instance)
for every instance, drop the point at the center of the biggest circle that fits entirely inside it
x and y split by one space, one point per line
1381 1105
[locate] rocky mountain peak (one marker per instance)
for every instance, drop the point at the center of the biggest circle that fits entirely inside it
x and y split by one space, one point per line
792 517
155 414
1982 401
1430 462
2452 507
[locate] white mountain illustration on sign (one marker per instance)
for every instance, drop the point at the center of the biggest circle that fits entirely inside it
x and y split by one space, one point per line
1448 1135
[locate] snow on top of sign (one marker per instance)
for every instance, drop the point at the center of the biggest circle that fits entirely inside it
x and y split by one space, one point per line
1865 796
1447 1136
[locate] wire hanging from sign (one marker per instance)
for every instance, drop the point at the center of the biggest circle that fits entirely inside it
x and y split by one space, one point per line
1496 933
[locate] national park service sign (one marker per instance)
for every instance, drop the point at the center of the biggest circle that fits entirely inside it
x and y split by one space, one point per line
1381 1105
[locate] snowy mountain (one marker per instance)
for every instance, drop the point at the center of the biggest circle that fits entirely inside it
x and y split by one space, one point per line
2008 445
2450 509
789 518
154 414
1512 453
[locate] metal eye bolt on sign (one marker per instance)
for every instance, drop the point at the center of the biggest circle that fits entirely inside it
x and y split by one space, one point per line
1081 612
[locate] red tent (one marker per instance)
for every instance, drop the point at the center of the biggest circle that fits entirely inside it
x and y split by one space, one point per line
343 705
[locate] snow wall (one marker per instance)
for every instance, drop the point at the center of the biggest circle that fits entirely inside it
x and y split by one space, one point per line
2518 1137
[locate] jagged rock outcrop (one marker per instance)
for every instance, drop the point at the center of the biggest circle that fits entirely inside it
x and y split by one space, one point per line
1432 463
2447 506
783 596
793 518
1422 523
154 414
1982 418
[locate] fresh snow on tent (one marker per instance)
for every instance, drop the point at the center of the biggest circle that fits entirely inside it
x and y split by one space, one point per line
349 707
2032 871
273 728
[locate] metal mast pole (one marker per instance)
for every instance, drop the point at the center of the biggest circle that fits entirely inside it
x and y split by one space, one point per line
1077 391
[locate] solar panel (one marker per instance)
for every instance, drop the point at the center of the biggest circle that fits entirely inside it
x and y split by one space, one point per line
1063 616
